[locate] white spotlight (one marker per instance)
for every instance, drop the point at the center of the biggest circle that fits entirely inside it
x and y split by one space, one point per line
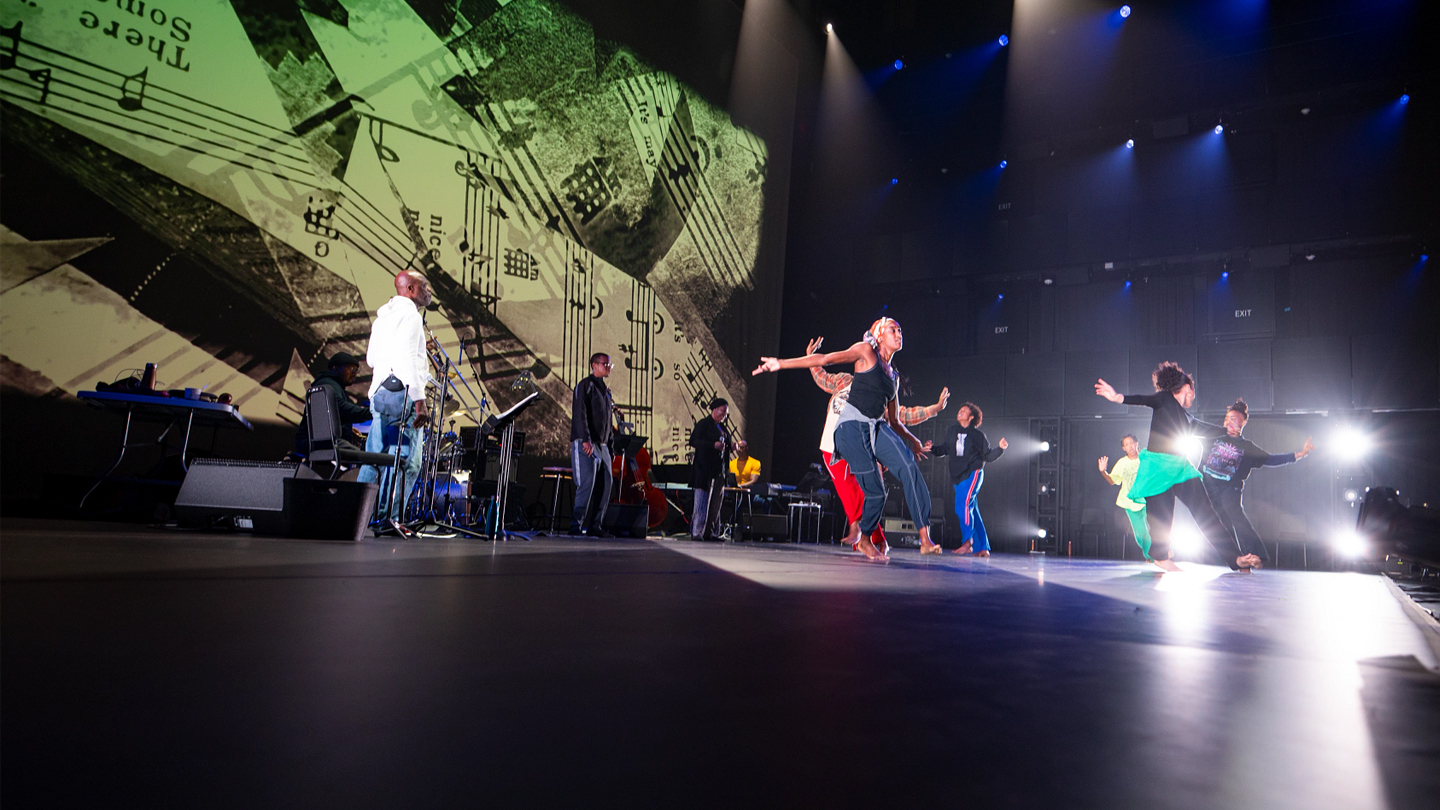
1351 495
1044 447
1192 445
1185 539
1350 443
1125 11
1041 533
1348 543
829 29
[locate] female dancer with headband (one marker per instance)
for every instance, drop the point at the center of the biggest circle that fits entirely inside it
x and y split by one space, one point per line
1166 474
837 385
870 432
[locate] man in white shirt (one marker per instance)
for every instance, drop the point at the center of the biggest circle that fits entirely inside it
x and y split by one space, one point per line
397 393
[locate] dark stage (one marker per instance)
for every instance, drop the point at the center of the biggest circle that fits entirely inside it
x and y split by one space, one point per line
171 668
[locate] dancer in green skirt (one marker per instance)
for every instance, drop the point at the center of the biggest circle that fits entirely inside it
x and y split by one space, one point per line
1165 473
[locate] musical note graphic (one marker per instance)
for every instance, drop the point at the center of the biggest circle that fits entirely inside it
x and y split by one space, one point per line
318 219
377 137
10 50
131 99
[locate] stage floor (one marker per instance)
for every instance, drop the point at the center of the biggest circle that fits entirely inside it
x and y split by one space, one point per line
163 667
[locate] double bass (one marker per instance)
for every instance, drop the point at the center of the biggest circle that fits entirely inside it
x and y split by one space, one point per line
632 479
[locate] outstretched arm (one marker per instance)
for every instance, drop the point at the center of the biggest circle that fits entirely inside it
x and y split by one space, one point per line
860 352
916 415
1104 461
1281 459
994 453
1106 390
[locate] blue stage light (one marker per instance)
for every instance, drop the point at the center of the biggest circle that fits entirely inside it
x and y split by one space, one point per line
1405 99
899 64
1127 285
1001 297
1004 163
1424 257
1225 274
1130 144
894 181
1124 11
1004 40
1219 129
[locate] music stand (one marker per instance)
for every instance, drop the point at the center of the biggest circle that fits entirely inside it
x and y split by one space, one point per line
505 423
627 446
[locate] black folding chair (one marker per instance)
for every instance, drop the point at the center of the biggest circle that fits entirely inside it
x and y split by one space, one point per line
323 432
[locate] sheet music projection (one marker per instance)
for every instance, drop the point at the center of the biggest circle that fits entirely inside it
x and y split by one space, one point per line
564 197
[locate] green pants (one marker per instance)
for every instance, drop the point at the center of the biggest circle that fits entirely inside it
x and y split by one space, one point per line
1142 532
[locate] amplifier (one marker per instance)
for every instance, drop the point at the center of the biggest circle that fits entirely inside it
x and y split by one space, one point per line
901 532
767 526
233 494
328 510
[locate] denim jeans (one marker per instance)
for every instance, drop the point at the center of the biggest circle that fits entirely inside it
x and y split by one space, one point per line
390 424
705 512
590 500
852 443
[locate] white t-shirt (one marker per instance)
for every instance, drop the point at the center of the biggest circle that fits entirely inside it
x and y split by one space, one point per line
832 419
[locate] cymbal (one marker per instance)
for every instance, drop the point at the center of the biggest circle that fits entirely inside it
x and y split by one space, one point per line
451 406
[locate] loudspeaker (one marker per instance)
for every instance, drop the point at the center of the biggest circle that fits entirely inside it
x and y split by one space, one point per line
328 510
767 526
245 495
903 534
626 519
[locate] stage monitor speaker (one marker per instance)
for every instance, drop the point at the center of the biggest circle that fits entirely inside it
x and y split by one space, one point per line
233 494
328 510
767 526
626 519
903 534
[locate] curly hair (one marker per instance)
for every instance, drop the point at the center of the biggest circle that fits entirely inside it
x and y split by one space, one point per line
1169 377
975 411
1241 408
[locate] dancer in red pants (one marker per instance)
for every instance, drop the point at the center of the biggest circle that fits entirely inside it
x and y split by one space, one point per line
837 385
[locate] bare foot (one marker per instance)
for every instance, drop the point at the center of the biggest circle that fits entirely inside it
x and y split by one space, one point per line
982 554
864 546
965 549
853 536
1168 565
927 547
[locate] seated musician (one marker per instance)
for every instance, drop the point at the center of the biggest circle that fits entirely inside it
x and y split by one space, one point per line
745 467
341 375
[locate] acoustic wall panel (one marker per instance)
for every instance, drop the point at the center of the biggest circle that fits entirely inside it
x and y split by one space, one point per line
1082 369
1144 359
1034 384
1311 373
1235 368
980 379
1390 372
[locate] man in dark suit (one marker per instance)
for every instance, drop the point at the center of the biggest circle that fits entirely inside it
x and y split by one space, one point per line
707 473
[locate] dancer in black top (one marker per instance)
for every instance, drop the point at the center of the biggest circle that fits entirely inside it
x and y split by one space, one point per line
969 452
1226 462
1165 474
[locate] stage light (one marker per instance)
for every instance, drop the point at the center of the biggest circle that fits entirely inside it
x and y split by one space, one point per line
1004 163
1000 297
899 64
1350 443
1405 99
1041 533
1351 495
1348 543
1130 144
1044 447
1127 283
1219 129
1192 445
894 181
1004 40
1224 274
1125 11
1186 540
829 29
1424 257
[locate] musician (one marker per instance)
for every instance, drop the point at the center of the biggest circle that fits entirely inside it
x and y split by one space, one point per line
707 472
341 375
745 467
591 419
397 394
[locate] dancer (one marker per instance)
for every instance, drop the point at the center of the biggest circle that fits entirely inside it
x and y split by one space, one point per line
870 433
1123 473
969 450
591 420
837 385
1165 474
1228 461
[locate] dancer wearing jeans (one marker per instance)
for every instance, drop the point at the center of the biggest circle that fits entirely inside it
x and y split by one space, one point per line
847 488
870 432
969 451
1166 474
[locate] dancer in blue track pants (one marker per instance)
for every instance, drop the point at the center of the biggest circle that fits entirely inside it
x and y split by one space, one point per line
969 451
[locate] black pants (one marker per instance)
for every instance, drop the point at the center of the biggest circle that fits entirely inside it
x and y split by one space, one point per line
1226 499
1160 514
